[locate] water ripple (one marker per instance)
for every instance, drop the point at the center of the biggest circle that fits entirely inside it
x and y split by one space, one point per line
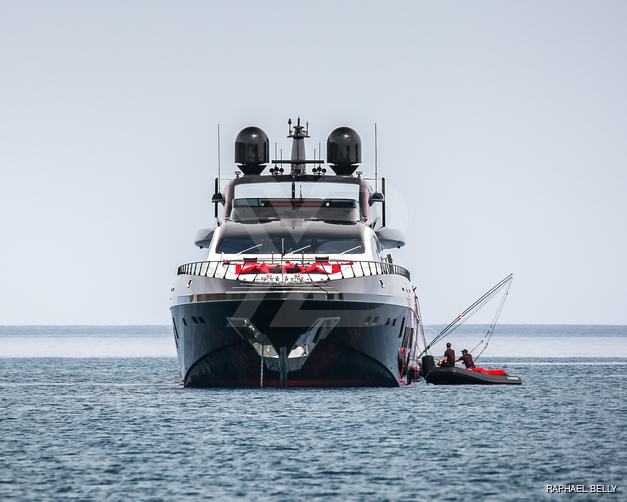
125 429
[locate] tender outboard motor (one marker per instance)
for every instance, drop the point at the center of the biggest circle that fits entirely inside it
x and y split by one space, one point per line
428 364
252 150
344 150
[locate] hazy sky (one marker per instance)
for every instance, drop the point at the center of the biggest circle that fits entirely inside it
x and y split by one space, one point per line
502 133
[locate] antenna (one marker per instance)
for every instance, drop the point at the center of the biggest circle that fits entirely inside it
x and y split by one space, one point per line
383 203
218 187
376 163
215 205
275 169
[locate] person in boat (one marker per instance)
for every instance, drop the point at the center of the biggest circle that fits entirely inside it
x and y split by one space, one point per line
467 359
448 360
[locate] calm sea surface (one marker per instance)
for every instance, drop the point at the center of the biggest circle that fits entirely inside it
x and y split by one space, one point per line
106 418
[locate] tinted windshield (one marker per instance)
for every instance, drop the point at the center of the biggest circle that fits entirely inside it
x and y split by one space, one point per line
292 203
302 190
266 244
279 198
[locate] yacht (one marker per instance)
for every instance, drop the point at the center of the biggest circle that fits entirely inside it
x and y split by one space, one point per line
299 287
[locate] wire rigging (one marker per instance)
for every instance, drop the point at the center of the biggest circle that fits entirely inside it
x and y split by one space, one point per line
472 310
488 335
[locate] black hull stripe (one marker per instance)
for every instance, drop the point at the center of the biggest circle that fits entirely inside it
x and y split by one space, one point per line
366 356
209 354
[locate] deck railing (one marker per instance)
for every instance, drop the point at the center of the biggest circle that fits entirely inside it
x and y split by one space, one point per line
290 270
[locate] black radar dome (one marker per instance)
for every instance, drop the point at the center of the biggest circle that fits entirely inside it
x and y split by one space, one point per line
252 150
344 150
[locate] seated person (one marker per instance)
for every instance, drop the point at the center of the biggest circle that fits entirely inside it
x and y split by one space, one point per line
467 359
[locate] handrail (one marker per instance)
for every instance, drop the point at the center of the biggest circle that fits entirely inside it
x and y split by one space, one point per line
290 270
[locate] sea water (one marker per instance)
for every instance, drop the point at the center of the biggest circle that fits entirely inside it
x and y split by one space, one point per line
96 413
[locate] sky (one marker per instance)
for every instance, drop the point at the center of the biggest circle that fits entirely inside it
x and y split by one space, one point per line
502 135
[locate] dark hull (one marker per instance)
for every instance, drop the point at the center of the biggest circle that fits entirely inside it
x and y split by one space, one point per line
349 344
459 376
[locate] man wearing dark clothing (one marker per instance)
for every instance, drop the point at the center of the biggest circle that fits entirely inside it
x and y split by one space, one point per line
448 361
466 358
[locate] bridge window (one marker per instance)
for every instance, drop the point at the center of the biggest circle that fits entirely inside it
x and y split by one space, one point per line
270 244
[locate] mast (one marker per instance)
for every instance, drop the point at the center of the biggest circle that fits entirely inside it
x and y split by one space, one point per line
298 135
298 160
